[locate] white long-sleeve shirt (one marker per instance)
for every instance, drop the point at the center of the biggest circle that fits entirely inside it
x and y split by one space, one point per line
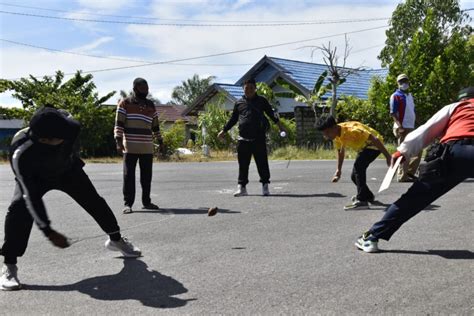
424 135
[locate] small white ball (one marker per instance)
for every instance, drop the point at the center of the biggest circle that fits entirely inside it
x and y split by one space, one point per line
283 134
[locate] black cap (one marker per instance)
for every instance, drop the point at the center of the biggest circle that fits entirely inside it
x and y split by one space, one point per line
325 123
466 93
48 122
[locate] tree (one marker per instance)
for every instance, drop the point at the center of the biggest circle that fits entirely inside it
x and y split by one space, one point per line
78 96
212 121
430 41
190 90
124 94
337 75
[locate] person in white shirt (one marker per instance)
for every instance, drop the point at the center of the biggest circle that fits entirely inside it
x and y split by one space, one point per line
402 110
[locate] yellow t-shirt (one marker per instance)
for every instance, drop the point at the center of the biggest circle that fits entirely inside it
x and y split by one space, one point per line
355 135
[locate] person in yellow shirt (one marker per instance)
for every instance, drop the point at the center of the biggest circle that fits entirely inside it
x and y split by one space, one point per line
367 142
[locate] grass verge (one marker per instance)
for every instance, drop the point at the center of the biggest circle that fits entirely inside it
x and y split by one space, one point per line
283 153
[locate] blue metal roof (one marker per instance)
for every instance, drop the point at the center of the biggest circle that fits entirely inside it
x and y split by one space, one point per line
306 74
235 91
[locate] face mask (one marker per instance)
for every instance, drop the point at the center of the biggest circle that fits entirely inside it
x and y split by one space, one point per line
404 86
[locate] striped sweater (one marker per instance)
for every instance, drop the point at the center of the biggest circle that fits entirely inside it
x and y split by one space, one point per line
136 122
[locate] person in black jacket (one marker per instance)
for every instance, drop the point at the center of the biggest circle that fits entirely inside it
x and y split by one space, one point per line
43 158
249 113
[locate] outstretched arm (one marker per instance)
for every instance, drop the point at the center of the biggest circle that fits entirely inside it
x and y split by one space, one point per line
340 160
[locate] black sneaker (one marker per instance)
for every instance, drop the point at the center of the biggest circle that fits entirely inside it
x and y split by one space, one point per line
151 206
367 243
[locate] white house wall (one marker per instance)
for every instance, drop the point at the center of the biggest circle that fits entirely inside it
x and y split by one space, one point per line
228 104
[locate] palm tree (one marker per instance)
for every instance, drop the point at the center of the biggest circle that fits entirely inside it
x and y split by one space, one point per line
190 89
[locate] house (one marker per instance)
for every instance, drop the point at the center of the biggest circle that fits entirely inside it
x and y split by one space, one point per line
170 113
8 129
302 75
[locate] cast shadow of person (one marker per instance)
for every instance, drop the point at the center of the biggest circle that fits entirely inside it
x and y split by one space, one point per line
134 282
445 253
302 195
186 211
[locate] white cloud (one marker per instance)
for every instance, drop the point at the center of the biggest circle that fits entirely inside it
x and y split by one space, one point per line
166 43
104 5
93 45
241 3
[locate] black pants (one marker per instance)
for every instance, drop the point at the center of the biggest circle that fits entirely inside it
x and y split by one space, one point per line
129 165
359 173
460 166
75 183
245 150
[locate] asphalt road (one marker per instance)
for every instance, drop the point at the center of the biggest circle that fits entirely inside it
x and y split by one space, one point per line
290 253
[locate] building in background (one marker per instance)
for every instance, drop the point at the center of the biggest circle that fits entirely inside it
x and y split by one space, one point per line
302 75
8 129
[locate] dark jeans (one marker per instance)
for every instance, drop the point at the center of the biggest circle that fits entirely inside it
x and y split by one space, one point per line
245 150
129 165
359 173
75 183
460 166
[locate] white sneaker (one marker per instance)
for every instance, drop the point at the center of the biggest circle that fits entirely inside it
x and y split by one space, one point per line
241 191
124 246
265 189
9 279
367 243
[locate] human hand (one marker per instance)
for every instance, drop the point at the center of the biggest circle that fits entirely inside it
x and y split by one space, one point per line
394 158
221 134
119 145
336 176
58 239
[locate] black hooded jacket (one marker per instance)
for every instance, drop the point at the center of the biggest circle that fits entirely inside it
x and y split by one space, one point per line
37 165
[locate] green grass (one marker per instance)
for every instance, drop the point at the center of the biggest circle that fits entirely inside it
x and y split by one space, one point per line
283 153
295 153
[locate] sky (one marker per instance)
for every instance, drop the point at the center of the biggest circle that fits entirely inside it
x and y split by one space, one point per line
157 34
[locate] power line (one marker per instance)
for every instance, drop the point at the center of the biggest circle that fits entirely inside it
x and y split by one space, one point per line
227 53
163 19
366 48
193 24
111 58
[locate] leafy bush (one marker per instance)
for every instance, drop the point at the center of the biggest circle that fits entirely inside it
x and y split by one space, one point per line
274 137
174 137
214 119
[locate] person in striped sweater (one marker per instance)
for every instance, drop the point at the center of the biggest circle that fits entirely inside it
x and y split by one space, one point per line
136 124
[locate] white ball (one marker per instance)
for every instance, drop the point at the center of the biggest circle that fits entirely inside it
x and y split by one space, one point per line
283 134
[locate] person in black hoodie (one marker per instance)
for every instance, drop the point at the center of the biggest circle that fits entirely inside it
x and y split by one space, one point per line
253 124
43 158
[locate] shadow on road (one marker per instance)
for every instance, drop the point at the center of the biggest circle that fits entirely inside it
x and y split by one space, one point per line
447 254
380 205
330 194
186 211
134 282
